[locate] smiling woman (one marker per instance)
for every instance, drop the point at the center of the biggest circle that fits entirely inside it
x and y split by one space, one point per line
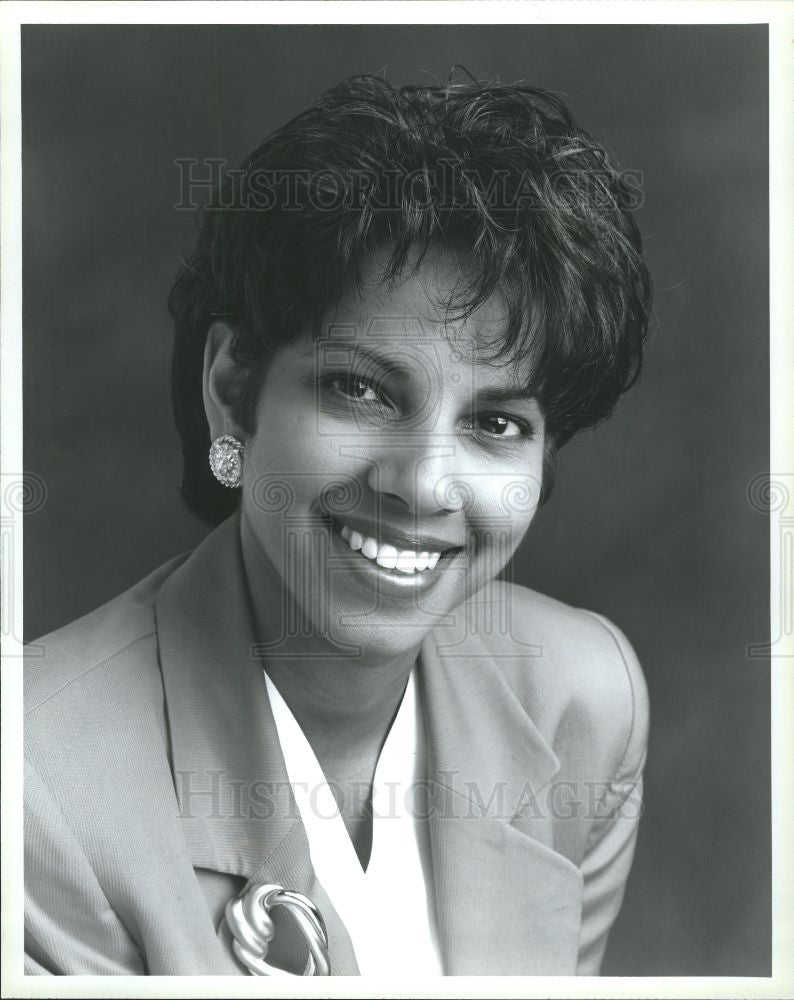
340 742
408 430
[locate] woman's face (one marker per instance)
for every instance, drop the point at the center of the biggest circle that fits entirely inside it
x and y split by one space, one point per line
392 471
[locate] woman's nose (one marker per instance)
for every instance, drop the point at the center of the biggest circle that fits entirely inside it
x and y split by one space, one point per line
422 477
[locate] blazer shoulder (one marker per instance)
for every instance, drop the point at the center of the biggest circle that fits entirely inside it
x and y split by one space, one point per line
580 668
533 613
54 662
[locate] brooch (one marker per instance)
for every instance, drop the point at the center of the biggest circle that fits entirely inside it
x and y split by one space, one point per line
248 918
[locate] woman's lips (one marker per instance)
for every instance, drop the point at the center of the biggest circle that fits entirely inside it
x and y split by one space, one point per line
411 570
388 556
414 559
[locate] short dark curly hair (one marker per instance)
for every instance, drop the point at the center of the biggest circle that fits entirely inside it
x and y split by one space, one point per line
500 171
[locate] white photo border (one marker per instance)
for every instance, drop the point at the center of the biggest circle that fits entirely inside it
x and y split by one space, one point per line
780 18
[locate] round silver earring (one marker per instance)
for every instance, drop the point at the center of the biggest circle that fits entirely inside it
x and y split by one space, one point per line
226 461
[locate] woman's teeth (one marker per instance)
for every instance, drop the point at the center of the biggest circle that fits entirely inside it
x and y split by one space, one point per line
387 556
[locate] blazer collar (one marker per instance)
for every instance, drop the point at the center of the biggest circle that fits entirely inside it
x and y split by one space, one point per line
505 902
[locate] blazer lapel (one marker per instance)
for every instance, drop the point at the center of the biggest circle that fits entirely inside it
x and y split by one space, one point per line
507 904
236 806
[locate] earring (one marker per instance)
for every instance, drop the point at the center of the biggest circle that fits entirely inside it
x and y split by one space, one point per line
226 461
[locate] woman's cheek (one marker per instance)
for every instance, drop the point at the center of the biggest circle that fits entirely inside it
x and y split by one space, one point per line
288 441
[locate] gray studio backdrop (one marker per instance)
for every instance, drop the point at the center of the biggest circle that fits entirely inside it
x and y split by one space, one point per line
650 522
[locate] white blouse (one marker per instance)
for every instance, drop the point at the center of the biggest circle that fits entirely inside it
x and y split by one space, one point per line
388 909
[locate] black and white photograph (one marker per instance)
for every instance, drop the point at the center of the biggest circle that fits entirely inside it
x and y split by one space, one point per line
393 450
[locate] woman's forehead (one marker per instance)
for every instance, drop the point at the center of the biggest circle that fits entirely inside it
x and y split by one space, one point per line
422 306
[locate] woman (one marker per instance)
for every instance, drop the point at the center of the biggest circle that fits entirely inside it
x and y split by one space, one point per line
331 740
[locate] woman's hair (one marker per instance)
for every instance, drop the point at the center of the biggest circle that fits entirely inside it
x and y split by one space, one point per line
500 173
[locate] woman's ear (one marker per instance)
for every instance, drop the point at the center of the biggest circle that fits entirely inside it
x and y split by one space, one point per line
223 381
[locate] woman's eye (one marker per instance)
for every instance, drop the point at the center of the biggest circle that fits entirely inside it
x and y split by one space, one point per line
356 387
497 425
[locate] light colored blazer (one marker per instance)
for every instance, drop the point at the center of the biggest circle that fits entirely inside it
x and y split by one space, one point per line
155 787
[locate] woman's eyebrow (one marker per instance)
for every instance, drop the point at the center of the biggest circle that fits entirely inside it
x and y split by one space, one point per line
339 352
508 394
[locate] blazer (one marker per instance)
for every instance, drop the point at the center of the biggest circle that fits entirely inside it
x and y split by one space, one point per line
155 788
